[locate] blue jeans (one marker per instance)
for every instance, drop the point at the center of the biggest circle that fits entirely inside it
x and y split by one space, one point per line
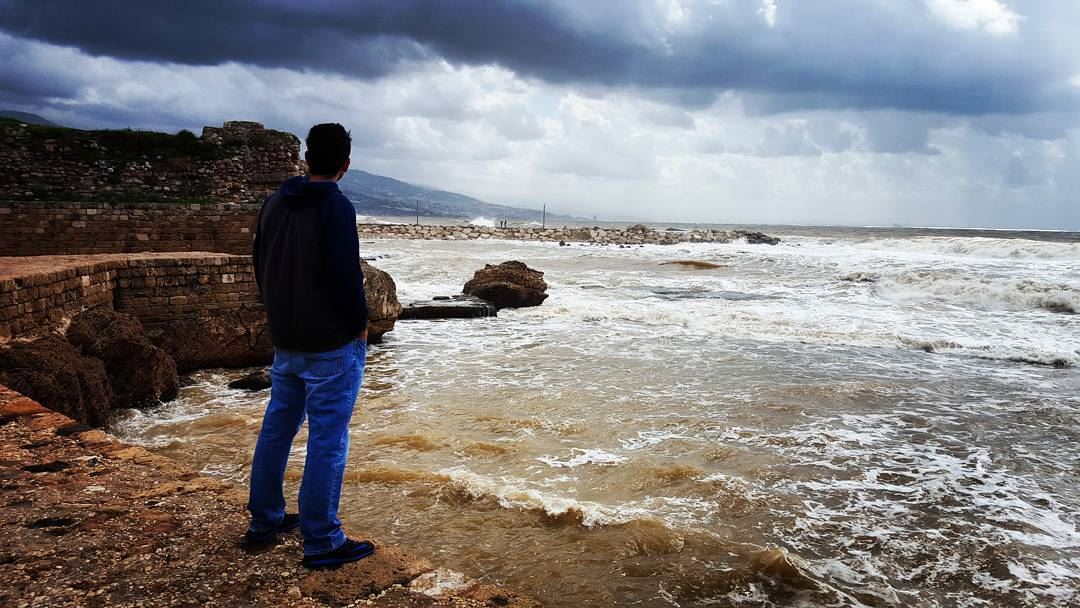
322 386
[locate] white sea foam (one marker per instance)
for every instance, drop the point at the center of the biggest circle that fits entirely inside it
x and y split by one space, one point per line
582 457
772 402
978 247
483 222
984 292
953 492
513 493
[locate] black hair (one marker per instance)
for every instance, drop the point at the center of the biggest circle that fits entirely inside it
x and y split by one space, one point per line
328 147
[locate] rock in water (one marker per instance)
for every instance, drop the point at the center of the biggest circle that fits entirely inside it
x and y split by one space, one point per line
140 373
697 264
508 285
52 372
252 382
757 238
383 306
443 307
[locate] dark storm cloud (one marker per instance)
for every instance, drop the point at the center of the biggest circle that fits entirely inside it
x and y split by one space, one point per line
826 54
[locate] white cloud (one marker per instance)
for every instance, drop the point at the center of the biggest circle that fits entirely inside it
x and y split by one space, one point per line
768 12
992 16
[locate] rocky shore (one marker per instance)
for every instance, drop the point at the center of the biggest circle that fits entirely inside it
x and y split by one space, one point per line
91 521
124 266
633 235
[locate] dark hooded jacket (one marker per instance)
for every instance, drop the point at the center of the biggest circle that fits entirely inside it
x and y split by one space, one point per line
307 265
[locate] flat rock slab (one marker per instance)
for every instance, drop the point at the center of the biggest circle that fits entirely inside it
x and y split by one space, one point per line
455 307
91 521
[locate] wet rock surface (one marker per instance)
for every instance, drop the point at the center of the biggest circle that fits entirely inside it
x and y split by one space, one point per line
383 306
140 373
508 285
91 521
449 307
694 264
227 338
56 374
255 381
757 238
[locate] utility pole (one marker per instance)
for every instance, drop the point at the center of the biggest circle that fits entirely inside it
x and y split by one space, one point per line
417 213
543 222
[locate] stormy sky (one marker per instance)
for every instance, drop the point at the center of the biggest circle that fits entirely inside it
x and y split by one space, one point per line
915 112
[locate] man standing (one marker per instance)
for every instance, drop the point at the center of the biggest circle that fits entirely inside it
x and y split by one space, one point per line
307 265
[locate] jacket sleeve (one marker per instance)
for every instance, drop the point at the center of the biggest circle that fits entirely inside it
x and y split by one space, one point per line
341 249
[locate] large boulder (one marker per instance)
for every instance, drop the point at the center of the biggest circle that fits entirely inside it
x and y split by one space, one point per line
508 285
140 373
382 302
55 374
238 337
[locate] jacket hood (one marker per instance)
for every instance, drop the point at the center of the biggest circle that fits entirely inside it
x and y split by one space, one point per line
301 190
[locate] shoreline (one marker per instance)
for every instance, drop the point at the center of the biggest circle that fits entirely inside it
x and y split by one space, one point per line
147 528
93 521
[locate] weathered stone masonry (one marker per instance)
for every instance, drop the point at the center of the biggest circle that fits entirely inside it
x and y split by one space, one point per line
240 162
176 297
54 228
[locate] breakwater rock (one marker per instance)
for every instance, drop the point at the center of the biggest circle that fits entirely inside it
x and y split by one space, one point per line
508 285
634 235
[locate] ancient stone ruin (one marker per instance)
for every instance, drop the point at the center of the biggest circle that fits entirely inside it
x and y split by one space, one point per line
239 162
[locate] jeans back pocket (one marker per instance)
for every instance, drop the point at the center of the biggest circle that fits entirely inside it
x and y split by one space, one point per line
325 365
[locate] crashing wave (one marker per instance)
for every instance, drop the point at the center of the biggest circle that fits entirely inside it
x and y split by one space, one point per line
980 247
980 292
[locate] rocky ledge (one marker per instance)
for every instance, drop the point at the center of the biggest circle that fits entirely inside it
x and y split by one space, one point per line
91 521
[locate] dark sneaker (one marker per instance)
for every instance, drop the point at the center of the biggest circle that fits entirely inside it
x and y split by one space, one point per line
291 521
351 551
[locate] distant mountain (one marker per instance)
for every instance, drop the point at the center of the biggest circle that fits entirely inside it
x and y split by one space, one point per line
378 195
28 118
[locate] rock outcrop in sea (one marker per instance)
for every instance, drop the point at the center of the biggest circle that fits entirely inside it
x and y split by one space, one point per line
508 285
255 381
449 307
382 302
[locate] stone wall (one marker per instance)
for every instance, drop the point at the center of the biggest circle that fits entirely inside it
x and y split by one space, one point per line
239 162
54 228
608 236
204 309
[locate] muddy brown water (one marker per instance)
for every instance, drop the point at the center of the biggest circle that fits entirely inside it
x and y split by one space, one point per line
646 438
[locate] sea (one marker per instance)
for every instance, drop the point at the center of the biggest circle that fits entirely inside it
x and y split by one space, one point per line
853 417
